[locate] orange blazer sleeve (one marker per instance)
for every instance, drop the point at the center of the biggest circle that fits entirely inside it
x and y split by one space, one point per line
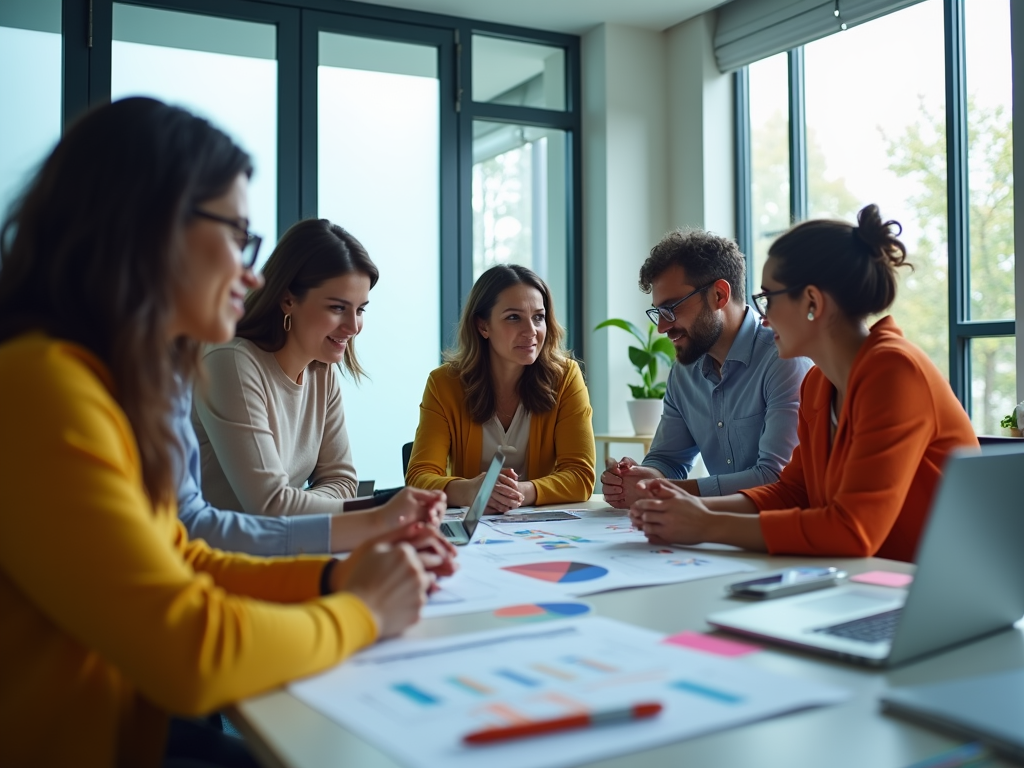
565 446
892 420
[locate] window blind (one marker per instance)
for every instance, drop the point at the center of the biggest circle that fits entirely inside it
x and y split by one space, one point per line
749 30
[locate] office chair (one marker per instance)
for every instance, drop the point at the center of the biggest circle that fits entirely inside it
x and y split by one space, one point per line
406 454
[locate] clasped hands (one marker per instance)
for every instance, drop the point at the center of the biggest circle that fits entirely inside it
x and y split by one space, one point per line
664 512
393 573
508 493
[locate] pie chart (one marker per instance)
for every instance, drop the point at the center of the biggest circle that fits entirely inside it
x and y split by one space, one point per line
541 611
561 571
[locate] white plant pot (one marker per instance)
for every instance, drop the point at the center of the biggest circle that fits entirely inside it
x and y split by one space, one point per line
645 415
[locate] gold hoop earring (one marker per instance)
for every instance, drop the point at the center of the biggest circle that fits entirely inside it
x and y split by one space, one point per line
287 323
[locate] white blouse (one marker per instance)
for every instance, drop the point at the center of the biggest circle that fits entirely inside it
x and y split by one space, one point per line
514 442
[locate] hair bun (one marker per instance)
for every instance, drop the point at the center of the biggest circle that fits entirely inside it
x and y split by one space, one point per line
882 242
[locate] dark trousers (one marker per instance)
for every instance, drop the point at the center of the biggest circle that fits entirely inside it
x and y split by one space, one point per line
202 743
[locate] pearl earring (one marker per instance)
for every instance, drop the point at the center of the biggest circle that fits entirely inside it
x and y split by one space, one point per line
810 315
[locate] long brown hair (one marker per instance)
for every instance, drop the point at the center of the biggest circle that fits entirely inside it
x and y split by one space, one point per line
91 251
310 252
471 358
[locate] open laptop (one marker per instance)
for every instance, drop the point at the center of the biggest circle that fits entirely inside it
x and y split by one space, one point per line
969 580
459 532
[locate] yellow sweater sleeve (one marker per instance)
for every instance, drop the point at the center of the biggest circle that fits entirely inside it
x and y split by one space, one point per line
100 565
440 425
572 478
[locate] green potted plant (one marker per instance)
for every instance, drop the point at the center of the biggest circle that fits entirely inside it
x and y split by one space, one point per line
1010 425
646 407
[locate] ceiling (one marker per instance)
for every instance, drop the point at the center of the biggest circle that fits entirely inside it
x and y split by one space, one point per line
569 16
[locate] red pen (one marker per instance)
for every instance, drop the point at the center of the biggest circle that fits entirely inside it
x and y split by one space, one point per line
539 727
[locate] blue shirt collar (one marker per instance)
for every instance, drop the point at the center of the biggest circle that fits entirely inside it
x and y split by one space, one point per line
742 349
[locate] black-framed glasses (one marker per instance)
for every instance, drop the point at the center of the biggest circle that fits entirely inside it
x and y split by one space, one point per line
667 311
248 243
762 300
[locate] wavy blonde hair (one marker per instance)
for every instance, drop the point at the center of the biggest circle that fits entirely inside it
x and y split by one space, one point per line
470 360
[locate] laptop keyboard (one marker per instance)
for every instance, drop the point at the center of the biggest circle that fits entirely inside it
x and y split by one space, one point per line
447 530
870 629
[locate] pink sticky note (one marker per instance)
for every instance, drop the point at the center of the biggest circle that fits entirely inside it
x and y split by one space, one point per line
711 644
883 578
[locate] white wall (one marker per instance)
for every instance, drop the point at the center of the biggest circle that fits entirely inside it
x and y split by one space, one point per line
702 149
657 154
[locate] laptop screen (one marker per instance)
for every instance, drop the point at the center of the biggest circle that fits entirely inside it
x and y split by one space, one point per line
484 494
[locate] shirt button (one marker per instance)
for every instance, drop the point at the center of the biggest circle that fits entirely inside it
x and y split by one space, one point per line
720 424
728 461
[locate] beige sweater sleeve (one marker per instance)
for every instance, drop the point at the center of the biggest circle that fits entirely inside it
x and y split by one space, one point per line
262 436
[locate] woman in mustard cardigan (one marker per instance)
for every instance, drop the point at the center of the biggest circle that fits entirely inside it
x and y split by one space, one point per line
509 384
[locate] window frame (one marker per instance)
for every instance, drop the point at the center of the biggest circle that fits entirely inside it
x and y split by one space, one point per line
87 29
961 329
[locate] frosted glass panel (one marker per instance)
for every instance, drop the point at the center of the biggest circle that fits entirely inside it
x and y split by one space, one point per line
184 63
518 74
519 202
30 90
378 169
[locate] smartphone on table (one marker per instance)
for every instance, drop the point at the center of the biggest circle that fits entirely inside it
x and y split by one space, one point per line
790 581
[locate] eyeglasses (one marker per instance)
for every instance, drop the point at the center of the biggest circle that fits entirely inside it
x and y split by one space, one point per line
667 311
248 243
761 300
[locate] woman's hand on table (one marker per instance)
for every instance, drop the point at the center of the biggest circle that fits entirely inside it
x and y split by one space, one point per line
412 505
668 514
387 573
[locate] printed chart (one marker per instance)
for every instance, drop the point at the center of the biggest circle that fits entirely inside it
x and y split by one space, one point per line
436 691
483 589
586 556
559 572
532 612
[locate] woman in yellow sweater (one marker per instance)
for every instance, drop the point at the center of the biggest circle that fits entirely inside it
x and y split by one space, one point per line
509 384
128 249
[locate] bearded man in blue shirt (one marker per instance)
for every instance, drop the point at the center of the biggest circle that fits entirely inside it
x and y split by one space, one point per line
729 396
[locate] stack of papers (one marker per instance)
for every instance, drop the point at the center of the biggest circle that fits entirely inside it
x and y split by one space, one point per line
507 564
434 692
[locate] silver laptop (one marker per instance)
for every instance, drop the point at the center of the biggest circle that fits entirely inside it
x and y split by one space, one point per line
459 532
969 580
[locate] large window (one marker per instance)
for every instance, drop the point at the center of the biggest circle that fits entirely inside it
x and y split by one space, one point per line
769 157
444 145
876 134
989 278
222 69
874 112
378 162
520 181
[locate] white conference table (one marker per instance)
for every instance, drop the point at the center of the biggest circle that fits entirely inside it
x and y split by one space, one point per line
284 733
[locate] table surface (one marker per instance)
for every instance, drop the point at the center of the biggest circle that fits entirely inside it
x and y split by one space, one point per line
282 731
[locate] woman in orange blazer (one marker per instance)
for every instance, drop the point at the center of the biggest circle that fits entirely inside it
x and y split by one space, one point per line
509 384
877 418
